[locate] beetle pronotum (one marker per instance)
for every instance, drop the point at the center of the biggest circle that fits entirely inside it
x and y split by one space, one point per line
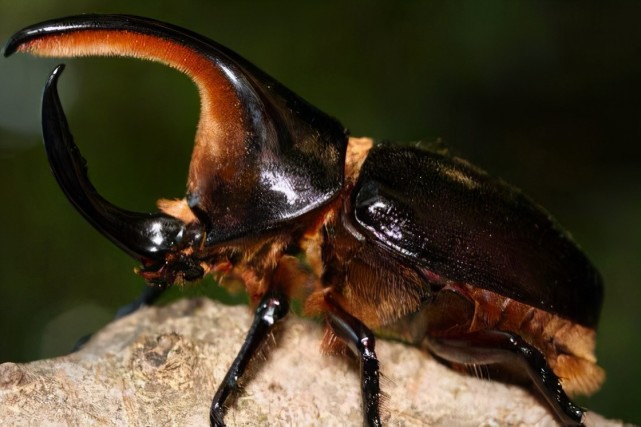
394 235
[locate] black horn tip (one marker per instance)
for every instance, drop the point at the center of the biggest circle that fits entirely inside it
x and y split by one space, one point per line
24 36
55 74
9 49
12 44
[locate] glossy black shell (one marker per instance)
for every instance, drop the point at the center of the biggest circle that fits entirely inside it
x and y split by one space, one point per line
293 153
453 219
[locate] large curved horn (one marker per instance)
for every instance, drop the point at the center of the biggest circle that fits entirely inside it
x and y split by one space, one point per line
145 237
262 155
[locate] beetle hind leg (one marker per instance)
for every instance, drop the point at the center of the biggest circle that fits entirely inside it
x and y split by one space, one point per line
493 346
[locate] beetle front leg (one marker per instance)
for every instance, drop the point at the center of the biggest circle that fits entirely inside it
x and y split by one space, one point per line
148 296
272 308
360 339
493 346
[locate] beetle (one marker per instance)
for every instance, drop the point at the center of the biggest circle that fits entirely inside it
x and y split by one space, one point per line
402 237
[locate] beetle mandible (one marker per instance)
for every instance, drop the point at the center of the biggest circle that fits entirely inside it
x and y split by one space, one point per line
405 237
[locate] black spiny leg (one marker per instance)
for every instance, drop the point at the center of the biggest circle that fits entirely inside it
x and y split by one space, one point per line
272 308
360 339
148 296
487 347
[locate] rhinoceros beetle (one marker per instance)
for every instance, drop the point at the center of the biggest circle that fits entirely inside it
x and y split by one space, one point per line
404 237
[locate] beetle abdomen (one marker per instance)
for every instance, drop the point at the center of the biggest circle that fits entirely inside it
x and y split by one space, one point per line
455 220
568 347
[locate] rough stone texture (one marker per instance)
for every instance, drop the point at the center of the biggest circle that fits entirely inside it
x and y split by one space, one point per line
161 366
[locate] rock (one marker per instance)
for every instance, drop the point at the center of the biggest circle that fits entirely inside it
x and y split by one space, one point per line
162 365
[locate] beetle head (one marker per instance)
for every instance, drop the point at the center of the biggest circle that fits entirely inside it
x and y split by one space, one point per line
262 157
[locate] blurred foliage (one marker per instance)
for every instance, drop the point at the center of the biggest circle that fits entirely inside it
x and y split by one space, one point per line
545 94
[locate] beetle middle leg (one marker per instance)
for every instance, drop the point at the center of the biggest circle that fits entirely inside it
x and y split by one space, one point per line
494 346
360 339
272 308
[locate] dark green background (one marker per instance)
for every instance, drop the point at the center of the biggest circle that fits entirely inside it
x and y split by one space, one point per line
545 94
